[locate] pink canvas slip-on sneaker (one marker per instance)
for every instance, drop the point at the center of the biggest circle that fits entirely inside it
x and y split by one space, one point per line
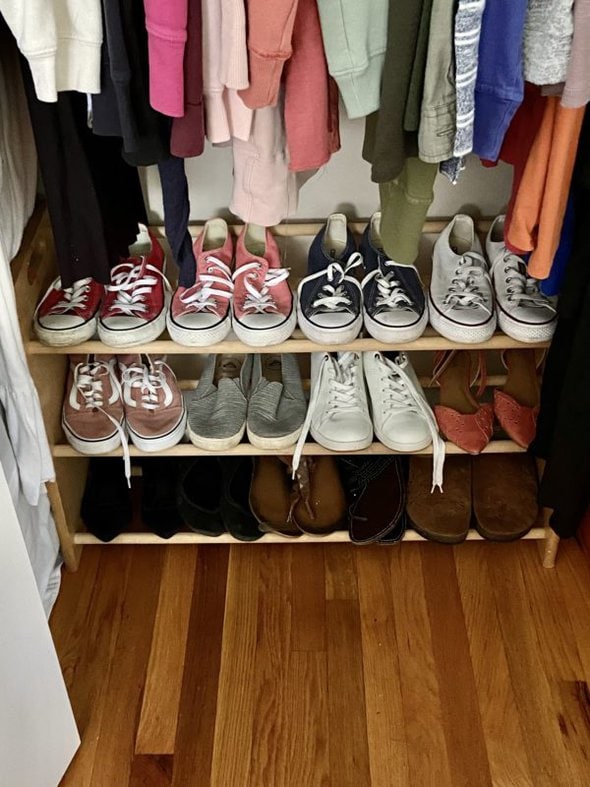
134 309
154 406
67 316
263 307
92 415
200 315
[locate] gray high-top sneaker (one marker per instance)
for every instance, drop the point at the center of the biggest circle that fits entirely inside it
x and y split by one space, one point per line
217 410
277 406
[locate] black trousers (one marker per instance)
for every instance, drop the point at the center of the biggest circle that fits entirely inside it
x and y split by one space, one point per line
93 197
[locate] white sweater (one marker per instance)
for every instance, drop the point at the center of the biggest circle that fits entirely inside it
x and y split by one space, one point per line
61 40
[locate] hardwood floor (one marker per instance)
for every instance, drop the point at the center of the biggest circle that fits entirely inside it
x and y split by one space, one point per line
256 666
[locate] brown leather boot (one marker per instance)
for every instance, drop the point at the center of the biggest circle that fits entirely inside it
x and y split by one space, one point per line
440 516
504 495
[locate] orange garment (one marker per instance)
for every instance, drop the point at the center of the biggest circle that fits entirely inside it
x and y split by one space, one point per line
541 201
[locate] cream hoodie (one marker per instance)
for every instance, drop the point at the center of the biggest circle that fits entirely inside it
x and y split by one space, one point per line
61 40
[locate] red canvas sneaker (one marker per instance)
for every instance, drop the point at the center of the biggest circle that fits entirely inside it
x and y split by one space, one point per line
134 308
92 413
68 316
154 406
263 311
200 315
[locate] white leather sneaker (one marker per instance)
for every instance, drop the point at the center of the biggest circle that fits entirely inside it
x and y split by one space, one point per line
523 311
402 418
338 413
461 299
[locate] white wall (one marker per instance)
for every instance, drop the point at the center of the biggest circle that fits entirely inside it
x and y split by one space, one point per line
344 184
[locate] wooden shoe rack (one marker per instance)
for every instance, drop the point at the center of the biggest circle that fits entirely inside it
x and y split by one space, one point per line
33 270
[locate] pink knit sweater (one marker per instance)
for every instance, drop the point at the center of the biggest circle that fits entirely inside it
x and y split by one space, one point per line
166 24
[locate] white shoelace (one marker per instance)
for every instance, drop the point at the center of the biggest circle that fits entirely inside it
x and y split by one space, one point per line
132 290
390 292
149 378
343 394
88 383
333 296
464 290
522 289
399 394
260 301
74 297
201 296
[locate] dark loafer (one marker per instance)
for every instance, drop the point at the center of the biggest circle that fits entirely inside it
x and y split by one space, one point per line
198 496
158 496
236 473
106 508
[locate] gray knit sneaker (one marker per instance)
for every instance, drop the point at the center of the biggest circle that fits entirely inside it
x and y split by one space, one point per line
217 411
277 406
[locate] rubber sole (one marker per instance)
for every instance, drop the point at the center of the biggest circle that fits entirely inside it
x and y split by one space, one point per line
67 337
274 443
342 447
265 337
403 448
462 334
348 333
439 539
91 447
214 443
391 335
200 337
133 336
529 334
153 444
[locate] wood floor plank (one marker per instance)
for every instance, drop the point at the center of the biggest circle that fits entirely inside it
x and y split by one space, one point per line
340 572
499 714
381 669
307 700
118 729
559 654
423 718
232 746
148 770
88 663
348 744
573 574
468 757
539 720
271 714
308 614
198 699
160 707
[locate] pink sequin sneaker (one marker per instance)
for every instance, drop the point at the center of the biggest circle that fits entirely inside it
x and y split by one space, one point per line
154 407
200 315
263 309
461 418
67 316
92 413
134 309
516 404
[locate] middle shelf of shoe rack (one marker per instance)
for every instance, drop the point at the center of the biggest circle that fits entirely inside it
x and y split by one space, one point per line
48 366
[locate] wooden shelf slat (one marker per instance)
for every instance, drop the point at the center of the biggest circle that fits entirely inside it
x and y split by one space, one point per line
339 537
64 450
431 340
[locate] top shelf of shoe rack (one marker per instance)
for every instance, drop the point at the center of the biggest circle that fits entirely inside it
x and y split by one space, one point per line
430 340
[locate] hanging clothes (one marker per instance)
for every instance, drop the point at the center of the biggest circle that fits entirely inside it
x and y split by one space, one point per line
61 40
539 207
122 108
187 138
499 89
166 25
18 184
576 91
270 31
548 35
355 40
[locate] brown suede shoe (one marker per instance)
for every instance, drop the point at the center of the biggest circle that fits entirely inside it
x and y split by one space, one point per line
504 495
270 496
319 502
446 516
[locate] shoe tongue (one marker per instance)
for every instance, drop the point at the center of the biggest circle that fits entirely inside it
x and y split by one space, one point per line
228 366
